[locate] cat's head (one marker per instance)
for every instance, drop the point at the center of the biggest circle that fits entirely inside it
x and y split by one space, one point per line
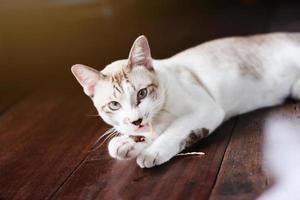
126 93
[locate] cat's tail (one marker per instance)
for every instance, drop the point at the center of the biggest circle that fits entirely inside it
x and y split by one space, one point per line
282 159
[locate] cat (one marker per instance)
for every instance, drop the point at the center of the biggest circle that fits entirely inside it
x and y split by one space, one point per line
281 158
177 101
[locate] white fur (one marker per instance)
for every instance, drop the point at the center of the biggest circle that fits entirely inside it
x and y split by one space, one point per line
237 75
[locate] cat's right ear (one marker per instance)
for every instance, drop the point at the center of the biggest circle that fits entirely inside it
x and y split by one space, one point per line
140 54
87 77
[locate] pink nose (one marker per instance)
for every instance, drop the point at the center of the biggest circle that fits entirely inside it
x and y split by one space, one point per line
137 122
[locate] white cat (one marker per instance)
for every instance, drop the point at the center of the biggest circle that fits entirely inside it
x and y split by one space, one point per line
175 102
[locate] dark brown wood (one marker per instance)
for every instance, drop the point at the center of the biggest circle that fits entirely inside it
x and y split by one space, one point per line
42 140
10 96
241 176
101 177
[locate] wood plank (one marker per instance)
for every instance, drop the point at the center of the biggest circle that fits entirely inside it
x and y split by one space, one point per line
42 140
101 177
241 176
10 96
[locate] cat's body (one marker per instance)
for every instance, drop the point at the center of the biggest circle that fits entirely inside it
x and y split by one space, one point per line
193 92
241 73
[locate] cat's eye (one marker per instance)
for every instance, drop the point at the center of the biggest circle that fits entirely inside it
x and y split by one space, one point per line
142 94
114 105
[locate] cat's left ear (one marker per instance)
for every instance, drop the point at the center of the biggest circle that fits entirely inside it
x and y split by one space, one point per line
140 54
87 77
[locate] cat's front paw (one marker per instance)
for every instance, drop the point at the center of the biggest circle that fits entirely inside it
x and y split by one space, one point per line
124 147
151 157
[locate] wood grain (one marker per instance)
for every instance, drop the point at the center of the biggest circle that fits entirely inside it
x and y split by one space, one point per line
9 96
42 140
241 176
101 177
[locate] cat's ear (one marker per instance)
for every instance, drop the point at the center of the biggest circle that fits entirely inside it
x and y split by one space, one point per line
140 54
87 77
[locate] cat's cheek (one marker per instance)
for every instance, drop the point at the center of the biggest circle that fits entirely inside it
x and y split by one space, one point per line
125 130
108 118
111 119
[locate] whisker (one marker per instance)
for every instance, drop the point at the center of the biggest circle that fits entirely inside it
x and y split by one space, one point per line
109 131
106 139
93 115
107 135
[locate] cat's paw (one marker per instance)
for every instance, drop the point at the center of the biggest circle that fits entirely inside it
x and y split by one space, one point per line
151 157
124 147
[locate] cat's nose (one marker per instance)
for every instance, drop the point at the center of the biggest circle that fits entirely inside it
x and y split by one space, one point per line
137 122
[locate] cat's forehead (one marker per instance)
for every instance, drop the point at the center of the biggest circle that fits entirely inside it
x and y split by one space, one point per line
115 67
116 73
119 82
103 91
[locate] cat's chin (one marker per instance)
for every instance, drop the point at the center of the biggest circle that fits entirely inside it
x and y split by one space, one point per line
142 131
147 133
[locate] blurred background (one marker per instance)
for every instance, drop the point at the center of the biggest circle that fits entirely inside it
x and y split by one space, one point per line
41 39
46 135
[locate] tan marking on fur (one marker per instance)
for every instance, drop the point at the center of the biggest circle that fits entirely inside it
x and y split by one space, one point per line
116 80
125 75
105 109
153 85
116 88
193 137
119 77
249 70
151 90
249 64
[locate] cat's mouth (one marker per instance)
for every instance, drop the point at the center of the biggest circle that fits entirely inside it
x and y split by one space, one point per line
143 126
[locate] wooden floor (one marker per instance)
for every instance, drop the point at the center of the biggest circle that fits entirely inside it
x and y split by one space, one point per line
47 132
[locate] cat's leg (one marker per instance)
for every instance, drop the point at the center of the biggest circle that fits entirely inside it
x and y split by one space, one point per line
181 133
296 90
124 147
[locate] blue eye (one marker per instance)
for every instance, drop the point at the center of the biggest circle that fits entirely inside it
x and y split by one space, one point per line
142 94
114 105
